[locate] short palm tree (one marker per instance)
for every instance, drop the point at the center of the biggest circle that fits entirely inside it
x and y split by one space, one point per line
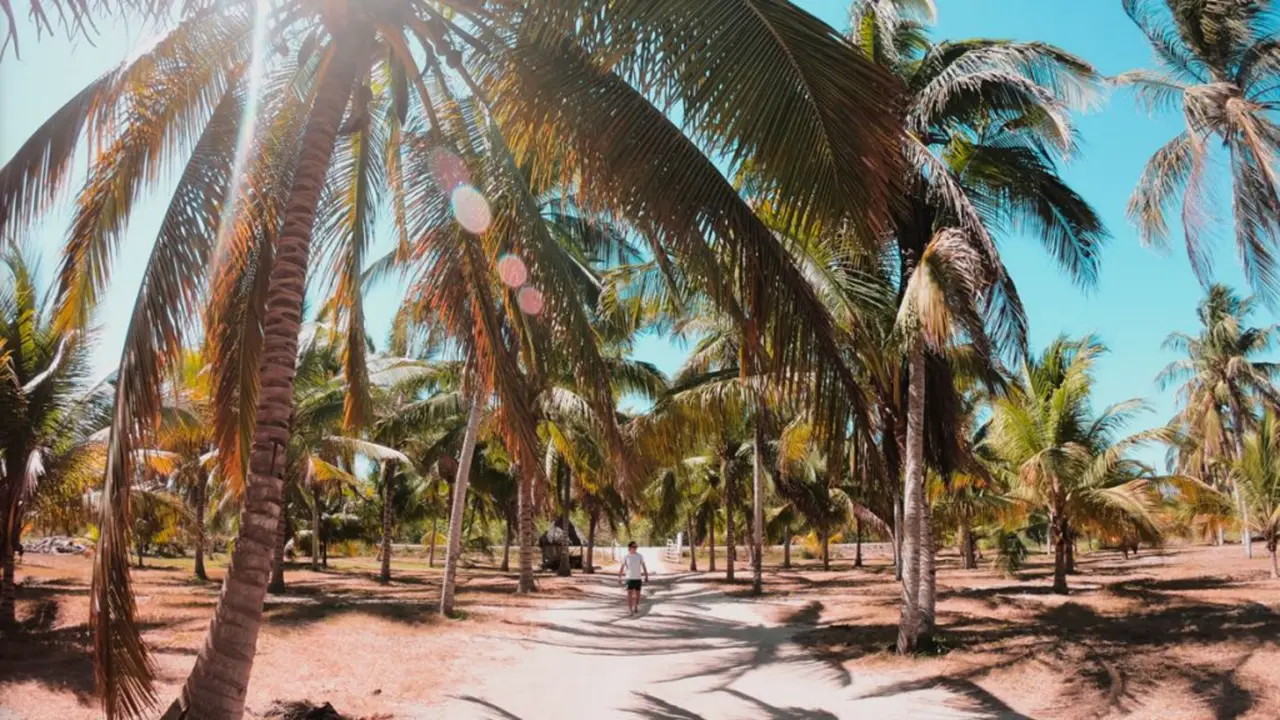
1055 453
1219 63
1222 382
46 418
1258 473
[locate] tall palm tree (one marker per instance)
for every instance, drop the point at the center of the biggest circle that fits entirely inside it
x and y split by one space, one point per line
1059 455
986 123
1218 62
1258 471
46 416
545 96
1222 384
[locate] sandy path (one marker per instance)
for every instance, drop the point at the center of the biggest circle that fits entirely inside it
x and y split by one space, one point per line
692 653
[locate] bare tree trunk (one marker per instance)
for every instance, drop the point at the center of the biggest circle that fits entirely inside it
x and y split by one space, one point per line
315 526
525 485
912 502
757 513
730 503
928 577
588 566
388 513
506 546
786 548
199 500
857 548
453 550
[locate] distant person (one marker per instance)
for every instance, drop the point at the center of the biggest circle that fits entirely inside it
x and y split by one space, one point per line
634 569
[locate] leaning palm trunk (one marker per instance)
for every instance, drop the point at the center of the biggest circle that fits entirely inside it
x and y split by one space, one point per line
219 682
453 550
757 514
524 486
912 500
928 596
388 476
201 481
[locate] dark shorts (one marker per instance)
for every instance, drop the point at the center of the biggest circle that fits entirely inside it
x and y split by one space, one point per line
633 584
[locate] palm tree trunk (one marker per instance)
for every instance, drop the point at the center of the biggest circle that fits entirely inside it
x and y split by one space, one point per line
431 553
857 548
218 683
729 525
388 496
1059 533
912 502
525 485
1246 537
315 526
786 547
897 536
826 550
693 546
928 577
711 540
1070 538
594 519
8 590
564 522
757 513
276 586
966 545
201 483
1271 550
453 549
506 546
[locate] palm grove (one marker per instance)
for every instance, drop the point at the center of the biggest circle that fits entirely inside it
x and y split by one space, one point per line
818 214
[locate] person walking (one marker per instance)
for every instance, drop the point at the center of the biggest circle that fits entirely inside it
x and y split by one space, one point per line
633 568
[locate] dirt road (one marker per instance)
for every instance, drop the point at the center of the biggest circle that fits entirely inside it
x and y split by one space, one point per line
693 652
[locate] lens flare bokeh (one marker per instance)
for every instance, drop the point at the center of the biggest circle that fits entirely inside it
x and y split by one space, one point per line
448 169
470 209
530 300
512 271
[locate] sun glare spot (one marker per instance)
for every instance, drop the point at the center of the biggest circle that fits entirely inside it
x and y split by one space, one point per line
512 271
449 170
470 209
530 300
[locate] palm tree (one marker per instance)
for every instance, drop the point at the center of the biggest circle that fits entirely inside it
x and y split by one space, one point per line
47 418
817 169
1058 455
1222 382
1220 63
986 122
1258 471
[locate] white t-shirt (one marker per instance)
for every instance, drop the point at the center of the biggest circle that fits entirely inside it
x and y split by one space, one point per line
633 566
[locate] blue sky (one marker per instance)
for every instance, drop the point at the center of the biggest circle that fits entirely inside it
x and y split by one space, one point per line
1142 294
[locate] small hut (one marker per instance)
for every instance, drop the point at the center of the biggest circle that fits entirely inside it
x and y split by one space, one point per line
553 539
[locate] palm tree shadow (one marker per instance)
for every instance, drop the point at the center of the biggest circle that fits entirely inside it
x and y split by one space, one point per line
494 712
